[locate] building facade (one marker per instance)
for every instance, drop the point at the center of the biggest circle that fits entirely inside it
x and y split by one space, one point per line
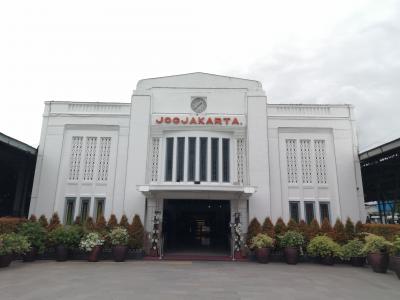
197 148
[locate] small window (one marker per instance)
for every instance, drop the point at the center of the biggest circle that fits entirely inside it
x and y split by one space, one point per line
324 211
99 207
169 159
214 159
192 159
85 206
69 211
180 158
225 160
309 210
294 211
203 158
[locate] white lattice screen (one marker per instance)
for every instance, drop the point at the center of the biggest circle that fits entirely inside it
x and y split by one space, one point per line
90 155
155 158
291 160
75 160
305 155
104 158
241 159
320 160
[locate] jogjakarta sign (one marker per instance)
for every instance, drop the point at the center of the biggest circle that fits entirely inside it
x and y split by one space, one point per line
203 120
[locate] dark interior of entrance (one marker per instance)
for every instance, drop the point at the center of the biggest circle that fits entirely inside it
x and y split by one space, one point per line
196 226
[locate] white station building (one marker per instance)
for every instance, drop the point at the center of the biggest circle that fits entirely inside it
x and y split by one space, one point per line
198 148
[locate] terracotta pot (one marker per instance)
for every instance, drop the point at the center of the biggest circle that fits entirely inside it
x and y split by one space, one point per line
357 261
61 253
94 255
5 260
119 253
262 255
327 260
396 260
30 255
291 255
379 262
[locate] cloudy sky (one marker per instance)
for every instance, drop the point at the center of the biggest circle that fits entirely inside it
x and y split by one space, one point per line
302 52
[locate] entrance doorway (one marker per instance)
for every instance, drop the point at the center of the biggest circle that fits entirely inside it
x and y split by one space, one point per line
196 226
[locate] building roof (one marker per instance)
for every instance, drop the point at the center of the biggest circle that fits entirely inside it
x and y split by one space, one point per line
17 144
380 149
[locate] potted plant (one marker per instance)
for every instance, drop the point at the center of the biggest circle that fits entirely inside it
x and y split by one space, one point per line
36 236
377 250
92 243
64 238
10 244
353 251
324 249
292 241
119 239
396 255
262 244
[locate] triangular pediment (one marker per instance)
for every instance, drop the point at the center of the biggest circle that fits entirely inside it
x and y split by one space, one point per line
198 80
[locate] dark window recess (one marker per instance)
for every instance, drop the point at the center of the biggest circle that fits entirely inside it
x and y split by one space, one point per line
214 159
169 159
309 209
324 211
84 209
203 159
225 160
180 158
99 208
69 211
192 159
294 211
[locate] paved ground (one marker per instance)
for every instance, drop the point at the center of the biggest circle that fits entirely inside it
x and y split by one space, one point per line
192 280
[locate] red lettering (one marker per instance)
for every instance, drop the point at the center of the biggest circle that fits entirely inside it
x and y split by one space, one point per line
193 121
201 120
235 121
176 120
217 121
167 120
210 121
160 120
185 121
226 120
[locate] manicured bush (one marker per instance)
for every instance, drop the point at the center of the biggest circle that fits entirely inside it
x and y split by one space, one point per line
312 230
292 225
323 246
119 236
396 246
78 221
326 228
262 240
32 218
280 227
13 243
253 229
349 229
353 248
101 224
91 240
124 222
43 221
68 236
339 235
268 227
388 231
112 222
10 224
292 239
35 234
89 225
136 233
376 244
54 222
358 228
302 228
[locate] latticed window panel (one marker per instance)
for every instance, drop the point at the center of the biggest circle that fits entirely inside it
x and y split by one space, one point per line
90 155
104 158
241 159
320 161
75 160
305 155
155 154
291 160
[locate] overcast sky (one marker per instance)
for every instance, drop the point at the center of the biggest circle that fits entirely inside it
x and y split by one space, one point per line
301 51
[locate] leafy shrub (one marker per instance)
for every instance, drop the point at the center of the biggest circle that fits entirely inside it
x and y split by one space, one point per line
33 218
376 244
339 234
268 228
292 239
292 225
388 231
262 240
396 246
119 236
349 230
101 224
112 222
54 222
78 221
89 224
35 234
353 248
253 229
312 230
13 243
323 246
302 227
69 236
91 240
358 228
136 233
280 227
124 222
326 228
43 221
10 224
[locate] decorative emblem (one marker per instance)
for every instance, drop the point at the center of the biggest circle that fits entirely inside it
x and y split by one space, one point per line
198 105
